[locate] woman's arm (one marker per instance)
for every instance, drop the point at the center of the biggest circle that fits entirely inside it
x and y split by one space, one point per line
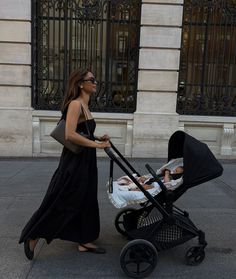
167 176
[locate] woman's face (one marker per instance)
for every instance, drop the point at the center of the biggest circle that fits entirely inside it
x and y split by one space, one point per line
89 83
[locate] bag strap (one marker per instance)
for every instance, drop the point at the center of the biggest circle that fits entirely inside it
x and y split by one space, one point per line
85 115
84 112
86 118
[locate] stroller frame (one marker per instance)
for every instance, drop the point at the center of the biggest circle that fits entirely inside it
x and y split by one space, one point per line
168 210
157 225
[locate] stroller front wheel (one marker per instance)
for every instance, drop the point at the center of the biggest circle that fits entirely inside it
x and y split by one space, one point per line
195 255
119 221
138 258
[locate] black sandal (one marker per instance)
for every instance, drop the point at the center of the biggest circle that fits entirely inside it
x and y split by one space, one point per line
29 254
96 250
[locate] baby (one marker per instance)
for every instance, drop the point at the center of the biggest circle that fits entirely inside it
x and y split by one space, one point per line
166 176
127 184
125 180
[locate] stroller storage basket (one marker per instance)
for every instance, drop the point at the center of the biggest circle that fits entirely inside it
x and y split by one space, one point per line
147 223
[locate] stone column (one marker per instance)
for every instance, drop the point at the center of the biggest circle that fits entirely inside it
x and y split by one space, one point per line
15 78
155 118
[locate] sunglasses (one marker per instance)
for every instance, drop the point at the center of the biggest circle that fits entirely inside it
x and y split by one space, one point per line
92 80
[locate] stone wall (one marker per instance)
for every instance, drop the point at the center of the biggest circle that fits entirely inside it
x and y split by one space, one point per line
15 78
118 126
26 132
216 131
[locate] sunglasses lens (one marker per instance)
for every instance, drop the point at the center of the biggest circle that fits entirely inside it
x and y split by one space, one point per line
92 80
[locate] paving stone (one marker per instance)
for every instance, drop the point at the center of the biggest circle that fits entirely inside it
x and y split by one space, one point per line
23 183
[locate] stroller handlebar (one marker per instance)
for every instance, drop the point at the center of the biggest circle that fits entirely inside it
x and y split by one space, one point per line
113 151
155 176
109 152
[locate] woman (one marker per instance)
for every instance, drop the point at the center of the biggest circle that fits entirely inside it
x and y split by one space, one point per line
69 210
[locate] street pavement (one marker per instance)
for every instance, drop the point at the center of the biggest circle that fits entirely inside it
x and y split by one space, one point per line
23 183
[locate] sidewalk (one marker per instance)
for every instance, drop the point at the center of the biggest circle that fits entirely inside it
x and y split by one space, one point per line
23 182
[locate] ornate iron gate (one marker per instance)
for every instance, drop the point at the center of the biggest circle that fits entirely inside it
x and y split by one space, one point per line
100 35
207 78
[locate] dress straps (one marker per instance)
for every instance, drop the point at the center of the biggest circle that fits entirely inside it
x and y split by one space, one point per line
84 112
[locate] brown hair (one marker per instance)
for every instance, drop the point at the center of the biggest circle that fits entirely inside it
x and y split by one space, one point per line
73 89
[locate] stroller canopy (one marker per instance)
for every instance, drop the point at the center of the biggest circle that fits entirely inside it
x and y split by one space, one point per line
200 165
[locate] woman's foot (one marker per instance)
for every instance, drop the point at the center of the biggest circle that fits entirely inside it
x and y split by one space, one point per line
29 246
90 247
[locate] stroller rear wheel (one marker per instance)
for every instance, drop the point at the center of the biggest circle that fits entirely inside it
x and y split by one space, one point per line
195 255
138 258
119 222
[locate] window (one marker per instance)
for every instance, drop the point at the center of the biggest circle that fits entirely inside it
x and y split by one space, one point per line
101 35
207 78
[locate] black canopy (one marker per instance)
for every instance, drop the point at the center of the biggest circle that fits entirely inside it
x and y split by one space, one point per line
200 165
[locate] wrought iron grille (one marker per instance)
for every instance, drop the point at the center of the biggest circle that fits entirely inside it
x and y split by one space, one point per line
100 35
207 78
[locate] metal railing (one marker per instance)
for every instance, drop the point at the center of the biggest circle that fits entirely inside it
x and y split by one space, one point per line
207 77
100 35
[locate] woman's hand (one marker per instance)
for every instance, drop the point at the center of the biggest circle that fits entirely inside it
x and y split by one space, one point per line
104 144
104 138
167 176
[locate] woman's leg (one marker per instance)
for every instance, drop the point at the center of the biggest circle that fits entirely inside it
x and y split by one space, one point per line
33 243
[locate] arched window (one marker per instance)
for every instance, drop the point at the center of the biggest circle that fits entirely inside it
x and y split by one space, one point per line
100 35
207 78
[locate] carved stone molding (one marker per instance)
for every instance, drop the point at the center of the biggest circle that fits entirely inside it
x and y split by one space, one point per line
227 139
36 136
129 138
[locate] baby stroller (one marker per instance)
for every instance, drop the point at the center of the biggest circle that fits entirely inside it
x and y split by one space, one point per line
159 224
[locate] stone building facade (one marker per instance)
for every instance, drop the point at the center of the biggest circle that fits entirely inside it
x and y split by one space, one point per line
25 131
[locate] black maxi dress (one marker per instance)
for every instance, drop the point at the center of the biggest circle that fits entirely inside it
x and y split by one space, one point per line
69 210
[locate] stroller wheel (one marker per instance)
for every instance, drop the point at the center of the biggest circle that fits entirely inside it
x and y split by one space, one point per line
195 255
138 258
119 222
